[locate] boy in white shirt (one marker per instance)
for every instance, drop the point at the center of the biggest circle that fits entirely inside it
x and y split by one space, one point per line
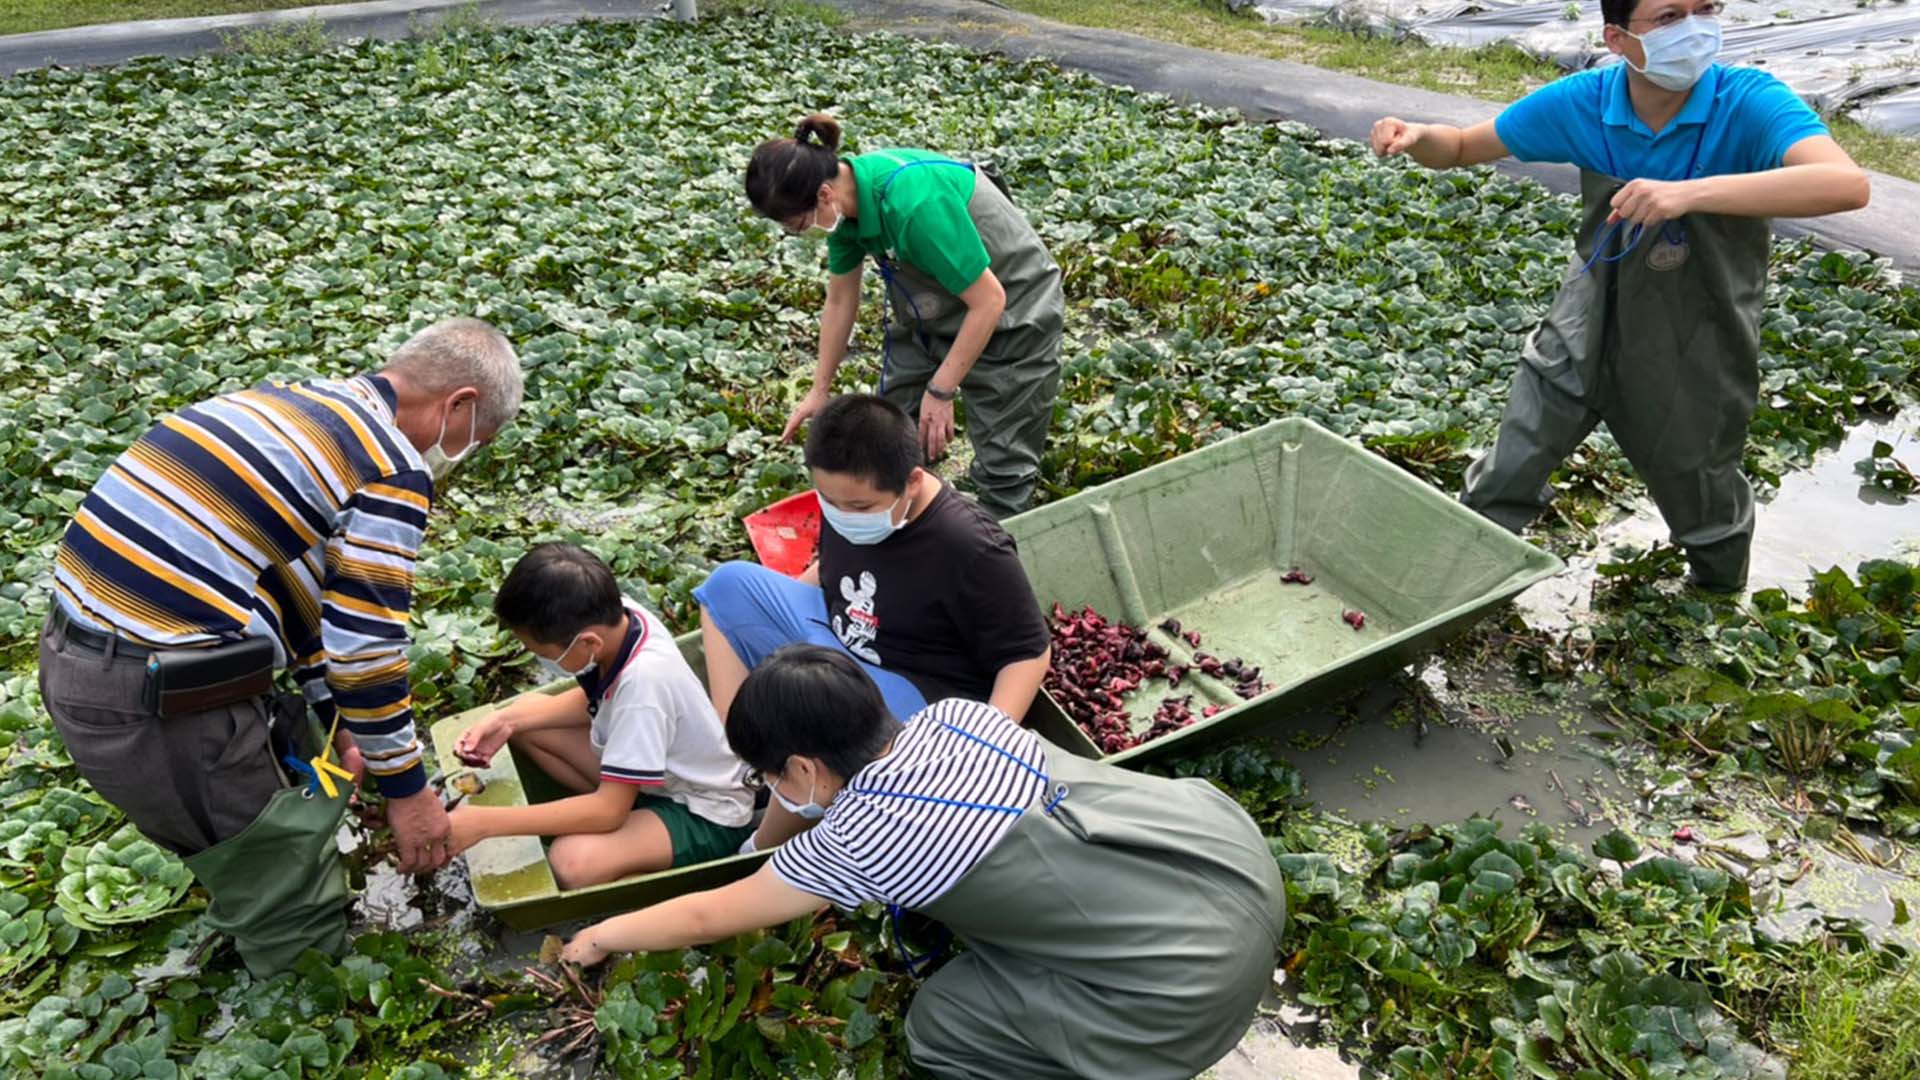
637 738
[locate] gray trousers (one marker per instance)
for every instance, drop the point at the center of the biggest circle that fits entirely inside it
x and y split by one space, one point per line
1662 344
187 782
1706 501
1008 405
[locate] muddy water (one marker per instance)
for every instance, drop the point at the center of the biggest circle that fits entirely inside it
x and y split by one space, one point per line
1485 749
1821 516
1499 750
1518 755
1273 1052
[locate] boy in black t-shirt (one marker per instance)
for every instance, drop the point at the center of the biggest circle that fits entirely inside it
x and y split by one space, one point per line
919 584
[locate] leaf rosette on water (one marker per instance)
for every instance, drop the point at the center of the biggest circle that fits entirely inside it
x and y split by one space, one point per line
125 878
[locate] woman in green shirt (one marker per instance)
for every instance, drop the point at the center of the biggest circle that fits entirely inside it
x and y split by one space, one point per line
976 302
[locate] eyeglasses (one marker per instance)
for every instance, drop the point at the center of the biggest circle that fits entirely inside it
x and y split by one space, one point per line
754 780
1675 16
805 223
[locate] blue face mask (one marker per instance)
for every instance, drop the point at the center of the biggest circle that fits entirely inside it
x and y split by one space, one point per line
556 671
1678 55
809 810
868 528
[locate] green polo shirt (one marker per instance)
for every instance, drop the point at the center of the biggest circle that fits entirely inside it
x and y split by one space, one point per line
922 220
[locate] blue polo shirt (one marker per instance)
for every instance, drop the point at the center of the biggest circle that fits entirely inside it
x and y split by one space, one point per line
1737 120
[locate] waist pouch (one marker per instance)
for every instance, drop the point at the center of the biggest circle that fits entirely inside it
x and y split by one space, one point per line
181 682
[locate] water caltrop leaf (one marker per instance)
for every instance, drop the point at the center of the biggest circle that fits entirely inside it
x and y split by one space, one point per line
1617 846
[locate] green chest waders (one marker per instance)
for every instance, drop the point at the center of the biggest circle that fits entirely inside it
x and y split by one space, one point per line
1127 926
278 887
1657 334
1009 394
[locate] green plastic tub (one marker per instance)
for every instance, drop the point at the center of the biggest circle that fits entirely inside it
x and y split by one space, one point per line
1206 538
510 874
1203 539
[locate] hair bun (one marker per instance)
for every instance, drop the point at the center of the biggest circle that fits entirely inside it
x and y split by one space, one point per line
819 130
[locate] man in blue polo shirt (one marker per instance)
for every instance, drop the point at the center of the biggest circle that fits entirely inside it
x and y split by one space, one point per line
1657 329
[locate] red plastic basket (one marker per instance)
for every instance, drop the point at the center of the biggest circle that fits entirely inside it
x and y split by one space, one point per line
787 534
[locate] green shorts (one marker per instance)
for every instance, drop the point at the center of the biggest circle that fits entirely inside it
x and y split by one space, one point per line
695 839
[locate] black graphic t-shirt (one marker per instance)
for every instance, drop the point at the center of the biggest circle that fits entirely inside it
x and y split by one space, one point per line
944 601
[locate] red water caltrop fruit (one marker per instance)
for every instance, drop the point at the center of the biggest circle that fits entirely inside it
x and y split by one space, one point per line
1098 661
1355 619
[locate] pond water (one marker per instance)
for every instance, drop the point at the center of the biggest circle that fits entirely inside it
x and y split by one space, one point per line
1821 516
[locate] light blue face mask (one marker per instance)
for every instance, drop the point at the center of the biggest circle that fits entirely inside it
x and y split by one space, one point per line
868 528
553 668
1678 55
807 811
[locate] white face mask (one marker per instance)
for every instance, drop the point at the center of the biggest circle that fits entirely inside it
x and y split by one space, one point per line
820 227
1678 55
440 463
808 811
868 528
555 670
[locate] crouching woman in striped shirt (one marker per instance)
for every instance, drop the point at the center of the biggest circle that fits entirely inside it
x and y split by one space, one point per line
1115 924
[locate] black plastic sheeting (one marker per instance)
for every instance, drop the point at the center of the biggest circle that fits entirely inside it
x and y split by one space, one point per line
116 43
1841 56
1341 105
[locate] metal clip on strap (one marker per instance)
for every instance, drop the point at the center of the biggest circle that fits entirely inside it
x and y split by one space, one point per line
1060 793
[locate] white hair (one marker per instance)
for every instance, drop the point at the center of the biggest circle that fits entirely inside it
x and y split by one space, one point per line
465 352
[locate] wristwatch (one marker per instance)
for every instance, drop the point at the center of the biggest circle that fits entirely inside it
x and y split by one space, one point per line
938 394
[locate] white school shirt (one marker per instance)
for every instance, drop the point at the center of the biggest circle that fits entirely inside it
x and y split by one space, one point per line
656 728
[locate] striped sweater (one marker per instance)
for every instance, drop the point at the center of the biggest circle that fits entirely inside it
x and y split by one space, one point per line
290 511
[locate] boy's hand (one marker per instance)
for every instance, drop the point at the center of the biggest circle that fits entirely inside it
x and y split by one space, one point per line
1651 203
582 950
477 745
1392 135
466 831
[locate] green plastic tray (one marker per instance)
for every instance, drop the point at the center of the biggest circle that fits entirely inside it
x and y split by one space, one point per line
510 874
1205 539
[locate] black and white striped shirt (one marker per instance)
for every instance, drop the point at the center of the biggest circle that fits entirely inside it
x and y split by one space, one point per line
894 835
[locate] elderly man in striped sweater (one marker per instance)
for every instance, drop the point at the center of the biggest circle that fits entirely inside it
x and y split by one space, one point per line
269 530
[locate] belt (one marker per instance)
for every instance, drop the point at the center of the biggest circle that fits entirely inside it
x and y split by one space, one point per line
94 640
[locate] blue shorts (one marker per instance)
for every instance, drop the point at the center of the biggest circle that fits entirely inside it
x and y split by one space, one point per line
759 610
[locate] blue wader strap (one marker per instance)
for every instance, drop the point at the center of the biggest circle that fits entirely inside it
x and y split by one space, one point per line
1054 799
1674 232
